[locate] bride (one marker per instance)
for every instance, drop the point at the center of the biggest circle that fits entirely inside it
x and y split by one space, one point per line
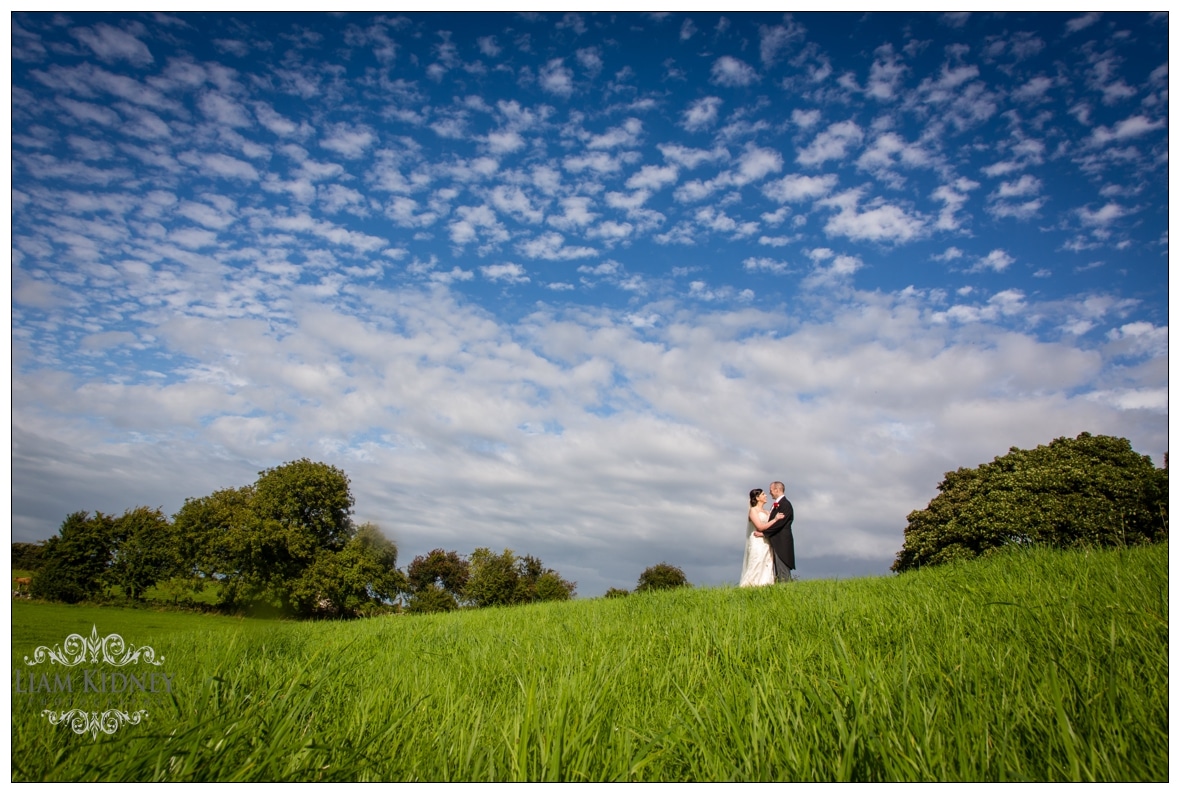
758 562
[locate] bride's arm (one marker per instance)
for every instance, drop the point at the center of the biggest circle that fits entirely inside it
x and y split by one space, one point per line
758 525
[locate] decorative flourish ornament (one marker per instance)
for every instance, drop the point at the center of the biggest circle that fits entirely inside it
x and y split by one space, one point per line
77 649
93 722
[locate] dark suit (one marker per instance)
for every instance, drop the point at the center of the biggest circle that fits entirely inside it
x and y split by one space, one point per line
782 542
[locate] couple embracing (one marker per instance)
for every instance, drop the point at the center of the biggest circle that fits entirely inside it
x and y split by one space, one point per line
770 546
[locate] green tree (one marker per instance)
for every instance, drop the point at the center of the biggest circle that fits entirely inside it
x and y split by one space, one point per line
311 502
145 551
76 559
551 587
503 579
205 528
1086 491
661 577
431 598
493 580
26 556
298 511
616 592
269 545
441 570
360 579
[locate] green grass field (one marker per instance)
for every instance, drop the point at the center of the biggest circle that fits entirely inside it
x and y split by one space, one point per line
1029 666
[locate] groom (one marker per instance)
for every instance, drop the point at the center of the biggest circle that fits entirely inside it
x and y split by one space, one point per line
778 534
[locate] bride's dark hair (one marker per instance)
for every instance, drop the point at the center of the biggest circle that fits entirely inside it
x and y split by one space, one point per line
754 494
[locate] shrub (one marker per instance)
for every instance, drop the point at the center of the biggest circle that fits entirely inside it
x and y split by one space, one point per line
661 577
1082 492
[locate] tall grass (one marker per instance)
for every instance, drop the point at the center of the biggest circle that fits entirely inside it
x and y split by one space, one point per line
1030 666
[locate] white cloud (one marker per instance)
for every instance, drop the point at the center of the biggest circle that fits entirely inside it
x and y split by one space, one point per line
1131 127
1033 90
953 196
773 40
112 45
1104 215
551 245
349 142
509 272
1025 186
504 141
754 164
590 59
511 200
475 223
837 273
624 136
488 46
695 190
795 188
1082 22
653 177
611 232
224 110
766 265
599 162
733 73
885 74
556 78
575 213
997 261
701 114
880 221
805 119
221 165
833 143
691 158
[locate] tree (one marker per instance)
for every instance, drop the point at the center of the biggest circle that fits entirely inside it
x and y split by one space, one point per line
616 592
145 551
1086 491
206 527
76 559
26 556
661 577
494 579
504 579
270 545
431 598
551 587
445 570
310 501
362 578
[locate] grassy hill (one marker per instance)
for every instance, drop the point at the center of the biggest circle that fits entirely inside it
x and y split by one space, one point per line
1031 665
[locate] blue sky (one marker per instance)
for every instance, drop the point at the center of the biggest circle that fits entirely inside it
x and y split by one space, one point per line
573 284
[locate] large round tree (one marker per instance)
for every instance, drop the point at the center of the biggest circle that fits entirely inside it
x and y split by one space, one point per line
1084 491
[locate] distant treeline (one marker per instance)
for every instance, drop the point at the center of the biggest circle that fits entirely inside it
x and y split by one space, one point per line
285 545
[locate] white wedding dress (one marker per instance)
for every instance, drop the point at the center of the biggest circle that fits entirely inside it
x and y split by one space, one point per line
758 562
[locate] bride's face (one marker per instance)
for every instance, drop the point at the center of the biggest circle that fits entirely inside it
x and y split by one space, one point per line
762 498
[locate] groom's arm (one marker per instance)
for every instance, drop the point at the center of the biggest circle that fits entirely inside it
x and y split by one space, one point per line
785 514
776 524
